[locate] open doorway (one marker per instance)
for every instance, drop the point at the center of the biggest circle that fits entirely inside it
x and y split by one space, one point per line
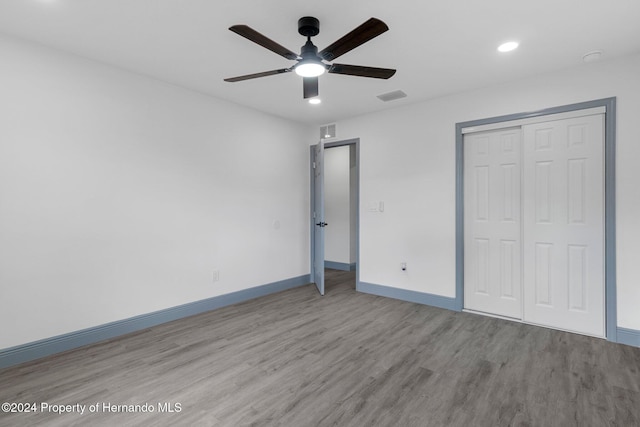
340 212
335 215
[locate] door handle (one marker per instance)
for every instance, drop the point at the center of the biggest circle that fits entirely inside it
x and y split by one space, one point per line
322 224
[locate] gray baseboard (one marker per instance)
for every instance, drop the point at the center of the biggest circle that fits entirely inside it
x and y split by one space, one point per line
340 265
407 295
45 347
628 336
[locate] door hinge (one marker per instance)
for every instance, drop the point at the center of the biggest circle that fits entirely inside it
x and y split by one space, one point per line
314 215
314 165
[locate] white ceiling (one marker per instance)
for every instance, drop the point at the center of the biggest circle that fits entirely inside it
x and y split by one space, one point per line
438 48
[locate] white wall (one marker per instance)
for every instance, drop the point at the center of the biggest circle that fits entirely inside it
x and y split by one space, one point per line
407 160
119 195
337 210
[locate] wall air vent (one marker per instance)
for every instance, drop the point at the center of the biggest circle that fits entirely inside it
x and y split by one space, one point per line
392 96
328 131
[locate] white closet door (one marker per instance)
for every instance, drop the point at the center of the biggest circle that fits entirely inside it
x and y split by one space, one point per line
563 224
492 192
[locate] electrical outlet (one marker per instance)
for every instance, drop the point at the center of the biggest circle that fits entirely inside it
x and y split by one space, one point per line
403 266
215 275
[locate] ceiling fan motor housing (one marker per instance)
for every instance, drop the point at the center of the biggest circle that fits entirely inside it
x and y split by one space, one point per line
309 51
308 26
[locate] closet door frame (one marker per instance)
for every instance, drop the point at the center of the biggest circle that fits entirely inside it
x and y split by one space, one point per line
609 105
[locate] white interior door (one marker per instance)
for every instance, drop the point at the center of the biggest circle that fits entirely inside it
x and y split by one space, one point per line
563 224
492 225
318 215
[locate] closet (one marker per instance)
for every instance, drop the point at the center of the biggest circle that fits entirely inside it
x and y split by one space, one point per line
534 220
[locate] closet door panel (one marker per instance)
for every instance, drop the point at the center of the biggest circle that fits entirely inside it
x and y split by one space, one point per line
492 189
563 224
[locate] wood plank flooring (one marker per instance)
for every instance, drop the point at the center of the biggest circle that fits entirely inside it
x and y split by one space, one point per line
346 359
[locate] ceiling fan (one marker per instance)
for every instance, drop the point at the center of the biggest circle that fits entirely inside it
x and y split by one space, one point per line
311 63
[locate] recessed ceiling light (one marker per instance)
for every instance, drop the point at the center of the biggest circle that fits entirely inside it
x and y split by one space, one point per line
508 46
592 56
315 101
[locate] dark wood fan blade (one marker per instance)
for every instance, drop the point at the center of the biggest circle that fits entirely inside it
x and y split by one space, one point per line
357 70
310 87
256 75
251 34
365 32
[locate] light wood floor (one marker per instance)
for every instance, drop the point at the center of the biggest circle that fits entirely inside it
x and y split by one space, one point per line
345 359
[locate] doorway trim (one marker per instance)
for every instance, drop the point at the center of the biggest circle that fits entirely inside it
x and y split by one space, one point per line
609 199
356 143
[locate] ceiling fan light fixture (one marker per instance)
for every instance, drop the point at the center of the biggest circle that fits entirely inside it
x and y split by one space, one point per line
310 69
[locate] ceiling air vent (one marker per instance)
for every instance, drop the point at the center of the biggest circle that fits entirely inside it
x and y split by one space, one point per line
392 96
328 131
